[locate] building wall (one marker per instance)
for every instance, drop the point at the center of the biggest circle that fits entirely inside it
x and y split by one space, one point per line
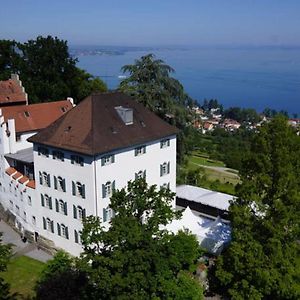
93 175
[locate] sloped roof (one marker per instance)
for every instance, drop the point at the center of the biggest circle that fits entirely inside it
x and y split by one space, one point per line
10 171
35 116
11 92
94 126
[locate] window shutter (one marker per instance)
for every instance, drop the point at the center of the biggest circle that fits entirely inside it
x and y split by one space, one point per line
56 205
54 154
55 182
52 226
144 149
64 185
83 190
58 229
113 186
73 188
48 179
102 161
74 212
66 208
161 170
47 152
50 202
67 233
72 159
81 161
41 178
168 142
42 200
103 191
76 236
44 223
83 213
144 174
135 152
136 176
161 144
168 167
39 151
104 215
112 158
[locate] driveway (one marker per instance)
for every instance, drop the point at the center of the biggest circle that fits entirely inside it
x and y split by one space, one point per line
19 247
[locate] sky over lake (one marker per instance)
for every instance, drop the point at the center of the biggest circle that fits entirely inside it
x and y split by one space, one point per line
155 22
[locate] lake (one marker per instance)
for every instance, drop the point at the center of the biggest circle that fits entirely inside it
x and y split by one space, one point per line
246 77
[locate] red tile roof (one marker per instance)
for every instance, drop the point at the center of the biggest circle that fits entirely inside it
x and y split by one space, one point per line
94 126
17 175
31 184
11 92
35 116
23 179
10 171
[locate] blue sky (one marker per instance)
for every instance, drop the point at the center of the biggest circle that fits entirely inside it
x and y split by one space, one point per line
154 22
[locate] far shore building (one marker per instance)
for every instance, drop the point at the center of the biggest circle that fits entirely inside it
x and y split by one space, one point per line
56 172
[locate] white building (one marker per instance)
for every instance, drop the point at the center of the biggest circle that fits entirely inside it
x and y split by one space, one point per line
98 146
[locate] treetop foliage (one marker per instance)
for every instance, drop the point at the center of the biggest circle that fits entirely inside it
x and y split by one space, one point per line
262 261
47 70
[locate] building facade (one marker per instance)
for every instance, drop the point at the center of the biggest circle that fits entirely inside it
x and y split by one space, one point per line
81 158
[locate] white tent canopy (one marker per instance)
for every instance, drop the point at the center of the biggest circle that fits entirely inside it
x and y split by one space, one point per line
212 235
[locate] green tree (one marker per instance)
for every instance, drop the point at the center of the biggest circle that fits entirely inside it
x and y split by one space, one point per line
47 70
149 81
134 259
61 279
262 261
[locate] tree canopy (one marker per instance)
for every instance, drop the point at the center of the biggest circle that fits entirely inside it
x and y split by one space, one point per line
262 261
47 70
134 258
149 81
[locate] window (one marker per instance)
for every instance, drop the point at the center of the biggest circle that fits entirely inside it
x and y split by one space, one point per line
165 186
48 225
59 184
140 150
77 236
58 155
11 204
46 201
44 179
165 143
140 175
61 206
26 113
29 200
62 231
33 220
77 160
78 189
107 160
17 210
43 151
78 212
164 169
107 189
108 214
24 216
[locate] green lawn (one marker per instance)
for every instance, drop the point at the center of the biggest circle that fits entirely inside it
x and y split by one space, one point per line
202 159
22 274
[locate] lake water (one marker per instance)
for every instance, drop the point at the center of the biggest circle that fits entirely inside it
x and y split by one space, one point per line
246 77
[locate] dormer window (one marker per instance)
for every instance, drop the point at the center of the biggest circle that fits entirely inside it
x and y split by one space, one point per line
26 114
43 151
107 160
140 150
165 143
126 114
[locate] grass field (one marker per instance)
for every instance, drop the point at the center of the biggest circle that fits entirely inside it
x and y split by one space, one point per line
202 159
22 274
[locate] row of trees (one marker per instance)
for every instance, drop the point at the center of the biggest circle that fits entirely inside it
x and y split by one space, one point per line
47 70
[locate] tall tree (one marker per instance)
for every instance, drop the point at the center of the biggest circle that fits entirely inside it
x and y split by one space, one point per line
262 261
47 70
149 81
134 259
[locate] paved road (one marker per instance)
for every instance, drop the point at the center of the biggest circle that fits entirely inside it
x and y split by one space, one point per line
20 248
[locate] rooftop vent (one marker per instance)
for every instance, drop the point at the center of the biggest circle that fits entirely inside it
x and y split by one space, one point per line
126 114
